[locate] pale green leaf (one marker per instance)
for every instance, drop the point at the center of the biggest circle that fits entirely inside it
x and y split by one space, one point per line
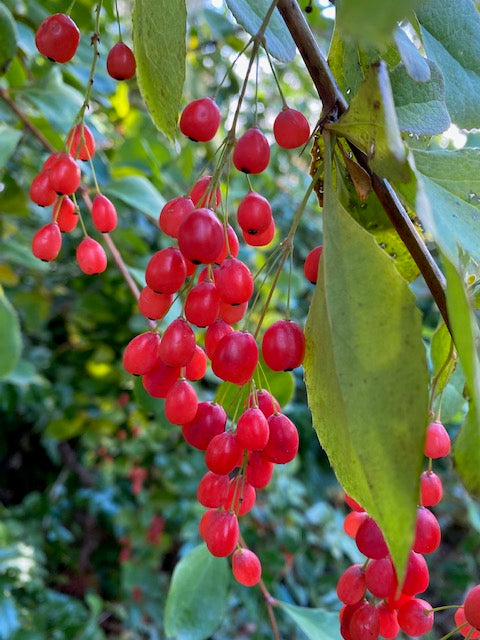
345 64
10 336
198 595
366 374
8 38
371 124
10 137
420 106
466 451
250 14
159 32
416 65
369 21
451 36
316 624
442 357
138 193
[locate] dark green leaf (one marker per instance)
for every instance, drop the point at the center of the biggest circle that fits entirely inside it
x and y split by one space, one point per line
366 374
198 594
159 33
8 38
316 624
451 36
10 336
250 13
416 65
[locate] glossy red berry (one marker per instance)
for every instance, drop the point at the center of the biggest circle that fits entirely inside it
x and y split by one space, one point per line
41 191
389 627
252 152
310 267
57 37
47 242
121 63
230 247
437 443
166 271
241 496
154 305
291 129
260 239
234 281
213 490
282 445
172 214
246 567
352 522
222 534
205 521
431 489
223 453
141 353
197 367
471 607
380 577
181 403
91 257
427 532
415 617
370 540
64 175
202 304
365 623
466 630
209 421
200 120
104 214
259 470
232 313
254 213
80 142
417 575
201 194
252 430
346 615
65 214
200 236
159 380
352 503
267 403
283 346
351 584
235 357
178 344
214 334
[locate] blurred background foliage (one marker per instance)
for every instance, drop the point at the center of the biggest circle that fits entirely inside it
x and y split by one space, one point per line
86 549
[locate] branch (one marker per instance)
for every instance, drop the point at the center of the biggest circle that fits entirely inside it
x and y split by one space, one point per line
70 460
334 104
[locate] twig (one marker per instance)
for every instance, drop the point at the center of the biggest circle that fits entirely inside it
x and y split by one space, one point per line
70 460
334 104
23 118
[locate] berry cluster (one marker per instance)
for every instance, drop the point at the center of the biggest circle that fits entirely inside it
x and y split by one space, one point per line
202 269
60 176
399 607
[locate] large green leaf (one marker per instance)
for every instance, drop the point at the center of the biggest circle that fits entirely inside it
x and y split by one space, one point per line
369 21
442 357
420 106
345 64
137 192
10 137
8 38
10 336
159 32
451 36
366 374
197 598
316 624
416 65
250 14
371 124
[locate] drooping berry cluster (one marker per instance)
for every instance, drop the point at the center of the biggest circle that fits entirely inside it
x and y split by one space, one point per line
399 606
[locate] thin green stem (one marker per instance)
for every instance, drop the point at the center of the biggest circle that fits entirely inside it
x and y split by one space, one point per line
230 68
94 41
436 379
277 82
69 10
451 633
118 21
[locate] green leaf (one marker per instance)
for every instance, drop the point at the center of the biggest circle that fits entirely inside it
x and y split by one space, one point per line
10 137
369 21
345 64
250 14
9 622
66 428
415 64
138 193
198 595
441 354
366 374
8 38
10 336
451 36
420 106
316 624
466 451
371 124
159 33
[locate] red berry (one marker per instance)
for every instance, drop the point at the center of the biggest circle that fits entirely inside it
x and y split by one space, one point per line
252 430
206 520
282 445
415 617
197 367
310 267
91 257
47 242
389 627
64 175
351 584
241 496
471 607
141 353
178 344
57 37
230 247
235 357
267 403
222 534
209 421
427 532
201 195
172 214
417 575
214 334
154 305
381 578
213 489
166 271
260 239
365 623
246 567
200 120
223 453
352 522
159 380
200 236
41 191
121 63
234 281
431 489
50 161
80 142
370 540
252 152
181 403
353 504
254 213
437 443
202 304
291 129
259 470
283 346
346 615
104 214
466 630
64 214
232 313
